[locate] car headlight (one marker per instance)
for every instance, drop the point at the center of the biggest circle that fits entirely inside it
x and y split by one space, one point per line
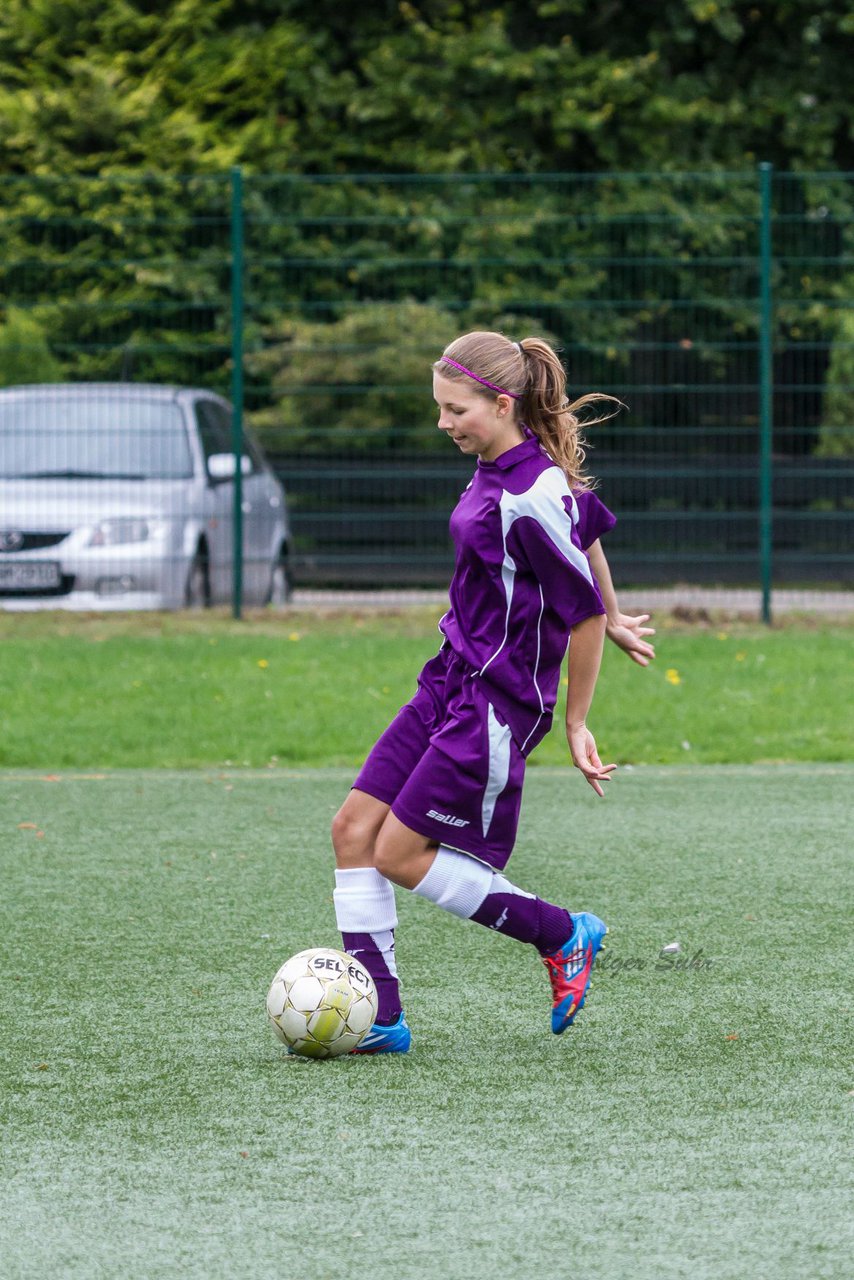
114 533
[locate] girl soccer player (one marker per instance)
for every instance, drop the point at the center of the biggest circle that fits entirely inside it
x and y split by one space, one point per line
435 807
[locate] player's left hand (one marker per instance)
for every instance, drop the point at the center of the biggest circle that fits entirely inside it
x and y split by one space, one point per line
627 632
585 757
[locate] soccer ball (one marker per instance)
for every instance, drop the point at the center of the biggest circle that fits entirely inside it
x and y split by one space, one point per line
322 1003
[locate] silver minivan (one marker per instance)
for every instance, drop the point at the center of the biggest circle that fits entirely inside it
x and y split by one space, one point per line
121 496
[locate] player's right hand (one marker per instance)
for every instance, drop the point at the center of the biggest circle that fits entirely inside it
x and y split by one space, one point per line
585 757
627 632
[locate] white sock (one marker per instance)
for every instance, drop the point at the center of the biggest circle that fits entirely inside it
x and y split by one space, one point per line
365 906
364 901
456 882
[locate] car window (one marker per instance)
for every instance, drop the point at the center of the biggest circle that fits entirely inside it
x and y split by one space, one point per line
215 431
251 446
97 438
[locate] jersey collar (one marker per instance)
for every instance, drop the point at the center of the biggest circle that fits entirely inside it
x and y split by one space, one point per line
529 448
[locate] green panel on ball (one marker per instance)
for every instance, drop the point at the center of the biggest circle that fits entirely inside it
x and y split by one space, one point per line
326 1025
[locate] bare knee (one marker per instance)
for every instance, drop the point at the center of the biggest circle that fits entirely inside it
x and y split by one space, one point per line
354 830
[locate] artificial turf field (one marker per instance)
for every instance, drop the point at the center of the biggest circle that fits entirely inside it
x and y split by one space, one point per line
695 1123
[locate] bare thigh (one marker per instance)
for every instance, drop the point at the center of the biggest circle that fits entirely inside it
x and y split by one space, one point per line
401 854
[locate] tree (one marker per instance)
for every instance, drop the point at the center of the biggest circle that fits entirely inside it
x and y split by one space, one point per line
106 105
361 382
24 353
424 85
836 438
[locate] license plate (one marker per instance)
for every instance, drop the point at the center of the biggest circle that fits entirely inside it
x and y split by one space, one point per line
37 575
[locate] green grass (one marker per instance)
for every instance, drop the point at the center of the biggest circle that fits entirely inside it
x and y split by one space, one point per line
178 692
693 1124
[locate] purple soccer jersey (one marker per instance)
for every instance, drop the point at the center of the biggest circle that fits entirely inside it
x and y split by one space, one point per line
594 518
521 581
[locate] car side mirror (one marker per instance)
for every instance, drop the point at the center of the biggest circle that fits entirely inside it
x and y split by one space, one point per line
221 466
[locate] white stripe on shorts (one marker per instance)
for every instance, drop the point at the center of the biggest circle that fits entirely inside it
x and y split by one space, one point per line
499 766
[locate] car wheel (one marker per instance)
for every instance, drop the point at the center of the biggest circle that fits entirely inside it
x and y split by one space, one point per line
197 592
281 587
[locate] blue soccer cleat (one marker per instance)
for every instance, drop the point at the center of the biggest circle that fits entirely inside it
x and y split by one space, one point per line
571 967
395 1038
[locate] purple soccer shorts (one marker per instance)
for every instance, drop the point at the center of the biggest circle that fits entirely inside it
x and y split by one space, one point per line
449 766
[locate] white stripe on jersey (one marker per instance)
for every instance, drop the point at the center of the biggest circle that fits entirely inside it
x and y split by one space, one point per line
537 670
499 766
543 502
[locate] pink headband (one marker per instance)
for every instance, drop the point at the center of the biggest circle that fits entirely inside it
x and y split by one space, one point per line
502 391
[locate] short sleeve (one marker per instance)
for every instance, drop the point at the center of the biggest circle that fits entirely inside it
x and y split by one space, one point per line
546 542
594 518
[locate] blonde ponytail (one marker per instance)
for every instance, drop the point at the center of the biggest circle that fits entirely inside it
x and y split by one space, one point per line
531 373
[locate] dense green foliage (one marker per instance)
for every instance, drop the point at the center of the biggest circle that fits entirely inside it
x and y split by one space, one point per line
429 86
351 287
24 352
647 282
360 382
837 431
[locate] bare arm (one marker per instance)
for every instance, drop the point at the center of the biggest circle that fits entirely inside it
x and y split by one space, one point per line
585 657
625 630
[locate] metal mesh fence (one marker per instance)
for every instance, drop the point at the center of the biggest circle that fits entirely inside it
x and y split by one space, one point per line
717 306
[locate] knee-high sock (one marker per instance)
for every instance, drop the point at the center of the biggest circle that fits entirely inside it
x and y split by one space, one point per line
470 889
366 915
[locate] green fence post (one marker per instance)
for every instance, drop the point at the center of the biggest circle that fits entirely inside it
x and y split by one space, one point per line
237 383
766 389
